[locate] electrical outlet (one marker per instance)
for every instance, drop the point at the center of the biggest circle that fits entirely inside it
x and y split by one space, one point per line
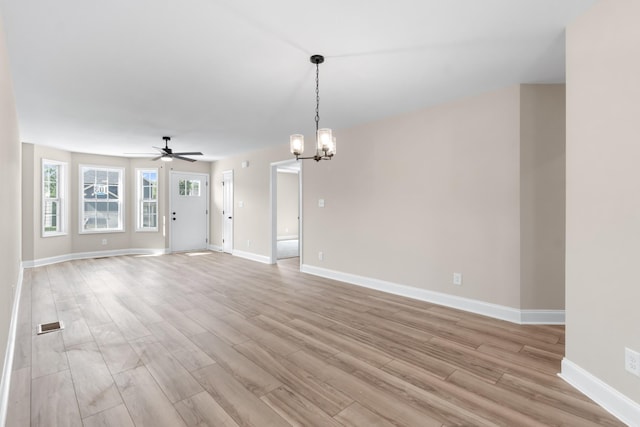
104 241
457 279
632 361
248 242
321 255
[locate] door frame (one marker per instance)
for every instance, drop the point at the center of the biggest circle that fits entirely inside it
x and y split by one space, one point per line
230 172
171 196
273 190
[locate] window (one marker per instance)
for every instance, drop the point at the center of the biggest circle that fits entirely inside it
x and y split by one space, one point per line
102 194
189 187
147 193
53 202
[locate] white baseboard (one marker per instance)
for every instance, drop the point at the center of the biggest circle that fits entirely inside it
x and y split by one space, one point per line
542 317
474 306
5 383
292 237
251 256
619 405
215 248
97 254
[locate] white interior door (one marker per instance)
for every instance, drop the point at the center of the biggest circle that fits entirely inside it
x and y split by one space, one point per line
227 211
189 211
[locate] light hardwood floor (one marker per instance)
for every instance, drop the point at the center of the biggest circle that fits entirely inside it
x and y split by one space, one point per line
214 340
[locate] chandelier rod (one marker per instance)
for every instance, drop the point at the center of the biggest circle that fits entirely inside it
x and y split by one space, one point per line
317 96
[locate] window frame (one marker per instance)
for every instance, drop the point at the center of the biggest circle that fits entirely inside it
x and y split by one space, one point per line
61 198
140 200
121 199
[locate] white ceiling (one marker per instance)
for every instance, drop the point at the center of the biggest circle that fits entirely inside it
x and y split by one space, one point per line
227 76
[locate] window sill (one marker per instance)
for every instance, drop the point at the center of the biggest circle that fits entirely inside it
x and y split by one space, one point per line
54 234
100 231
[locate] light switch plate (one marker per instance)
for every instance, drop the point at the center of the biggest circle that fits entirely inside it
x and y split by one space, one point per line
321 203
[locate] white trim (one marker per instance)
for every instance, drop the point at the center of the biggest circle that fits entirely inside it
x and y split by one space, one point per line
273 212
5 384
215 248
97 254
542 317
277 167
251 256
228 177
291 237
496 311
616 403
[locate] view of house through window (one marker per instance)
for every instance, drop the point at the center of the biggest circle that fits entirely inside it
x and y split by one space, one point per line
102 199
147 189
53 182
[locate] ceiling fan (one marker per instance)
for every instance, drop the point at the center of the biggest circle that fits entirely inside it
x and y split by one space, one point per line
167 154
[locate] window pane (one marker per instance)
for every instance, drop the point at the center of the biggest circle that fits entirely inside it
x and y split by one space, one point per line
50 181
195 188
89 176
113 191
50 216
101 191
147 193
149 215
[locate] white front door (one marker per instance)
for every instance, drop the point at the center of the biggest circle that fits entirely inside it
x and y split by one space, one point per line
189 211
227 211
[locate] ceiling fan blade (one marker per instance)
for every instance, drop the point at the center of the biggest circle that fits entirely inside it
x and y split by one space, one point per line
194 153
157 158
175 156
141 154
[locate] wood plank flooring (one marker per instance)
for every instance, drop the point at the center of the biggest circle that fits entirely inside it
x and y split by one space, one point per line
213 340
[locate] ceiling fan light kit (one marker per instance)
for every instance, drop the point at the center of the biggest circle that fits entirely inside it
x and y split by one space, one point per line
325 141
167 154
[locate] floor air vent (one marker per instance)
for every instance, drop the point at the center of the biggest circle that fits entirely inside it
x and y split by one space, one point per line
43 328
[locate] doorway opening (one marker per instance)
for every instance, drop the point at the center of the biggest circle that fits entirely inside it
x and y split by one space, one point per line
286 212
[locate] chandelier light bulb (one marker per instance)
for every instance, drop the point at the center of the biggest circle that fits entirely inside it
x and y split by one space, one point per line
296 143
325 140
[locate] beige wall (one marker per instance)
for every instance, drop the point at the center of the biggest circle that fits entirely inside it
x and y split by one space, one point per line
37 247
288 204
10 164
252 187
603 192
542 196
28 201
414 198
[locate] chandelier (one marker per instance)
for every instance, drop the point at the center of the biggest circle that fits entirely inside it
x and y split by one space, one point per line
325 141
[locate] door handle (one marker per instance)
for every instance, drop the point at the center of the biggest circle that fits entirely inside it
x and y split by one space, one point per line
229 217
